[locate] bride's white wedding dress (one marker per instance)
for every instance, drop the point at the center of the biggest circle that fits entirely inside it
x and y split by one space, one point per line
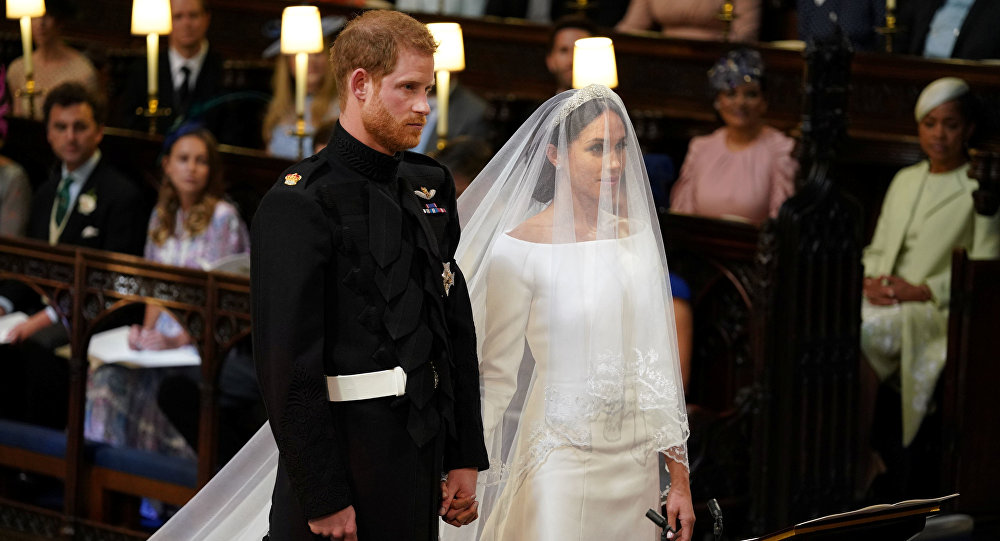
575 472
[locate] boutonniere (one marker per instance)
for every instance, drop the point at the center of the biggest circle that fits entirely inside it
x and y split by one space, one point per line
87 203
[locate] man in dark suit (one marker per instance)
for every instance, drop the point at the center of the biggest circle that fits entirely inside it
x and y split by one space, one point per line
86 202
363 330
936 28
857 19
189 79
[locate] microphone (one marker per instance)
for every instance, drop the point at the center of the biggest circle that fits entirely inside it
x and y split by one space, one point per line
716 512
660 523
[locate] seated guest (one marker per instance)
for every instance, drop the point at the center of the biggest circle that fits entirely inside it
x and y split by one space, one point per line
322 136
927 213
950 29
857 19
321 97
465 157
189 79
562 39
191 226
692 19
54 61
467 116
15 188
463 8
15 198
86 202
680 294
743 170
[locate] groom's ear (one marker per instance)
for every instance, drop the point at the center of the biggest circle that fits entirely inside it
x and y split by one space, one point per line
552 154
360 83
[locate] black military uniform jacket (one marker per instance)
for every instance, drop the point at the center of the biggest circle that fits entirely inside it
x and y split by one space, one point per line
349 276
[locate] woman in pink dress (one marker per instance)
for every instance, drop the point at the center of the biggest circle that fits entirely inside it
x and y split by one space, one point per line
692 19
744 170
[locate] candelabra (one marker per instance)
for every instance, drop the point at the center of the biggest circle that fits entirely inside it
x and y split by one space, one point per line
301 35
890 29
727 14
25 10
152 18
449 57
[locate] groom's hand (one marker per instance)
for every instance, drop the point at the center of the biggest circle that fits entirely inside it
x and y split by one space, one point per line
458 497
339 526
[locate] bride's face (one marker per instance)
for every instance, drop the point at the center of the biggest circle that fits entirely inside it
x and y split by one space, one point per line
592 164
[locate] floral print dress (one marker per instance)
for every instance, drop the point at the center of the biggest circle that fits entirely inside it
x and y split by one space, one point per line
122 405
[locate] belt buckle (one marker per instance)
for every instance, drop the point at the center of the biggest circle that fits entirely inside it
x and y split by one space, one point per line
400 377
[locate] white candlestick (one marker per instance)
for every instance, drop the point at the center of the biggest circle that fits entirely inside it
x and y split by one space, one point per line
443 84
890 5
301 72
26 45
152 59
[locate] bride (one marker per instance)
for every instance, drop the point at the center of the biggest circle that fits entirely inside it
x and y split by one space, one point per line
580 380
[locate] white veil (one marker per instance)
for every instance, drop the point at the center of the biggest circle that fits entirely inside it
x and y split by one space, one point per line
568 198
608 368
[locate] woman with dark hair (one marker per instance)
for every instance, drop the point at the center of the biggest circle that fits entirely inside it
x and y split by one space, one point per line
579 367
744 170
927 213
191 226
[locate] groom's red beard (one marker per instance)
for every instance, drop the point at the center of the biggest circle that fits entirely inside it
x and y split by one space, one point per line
394 134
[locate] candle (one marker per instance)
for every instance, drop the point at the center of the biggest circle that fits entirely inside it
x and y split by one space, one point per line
26 45
152 58
443 82
890 5
301 72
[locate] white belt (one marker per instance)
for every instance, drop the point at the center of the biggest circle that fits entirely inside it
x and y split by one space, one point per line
365 386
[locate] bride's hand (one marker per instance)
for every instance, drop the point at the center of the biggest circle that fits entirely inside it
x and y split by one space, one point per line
679 507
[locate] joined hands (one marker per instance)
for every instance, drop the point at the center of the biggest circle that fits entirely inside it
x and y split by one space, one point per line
458 497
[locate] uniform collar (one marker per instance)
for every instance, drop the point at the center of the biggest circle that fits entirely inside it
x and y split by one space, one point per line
364 159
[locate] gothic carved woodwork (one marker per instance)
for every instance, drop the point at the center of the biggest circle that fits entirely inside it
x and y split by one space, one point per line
91 288
807 323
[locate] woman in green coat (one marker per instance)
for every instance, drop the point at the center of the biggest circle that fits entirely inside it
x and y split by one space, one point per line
927 213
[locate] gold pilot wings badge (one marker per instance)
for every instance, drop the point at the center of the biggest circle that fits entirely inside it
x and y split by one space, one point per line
424 193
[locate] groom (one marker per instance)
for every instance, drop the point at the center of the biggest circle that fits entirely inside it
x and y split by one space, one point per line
363 330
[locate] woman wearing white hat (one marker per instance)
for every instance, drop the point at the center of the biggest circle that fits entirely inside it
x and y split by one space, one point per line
927 213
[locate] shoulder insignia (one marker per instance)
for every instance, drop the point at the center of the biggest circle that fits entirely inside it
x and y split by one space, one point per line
424 193
292 179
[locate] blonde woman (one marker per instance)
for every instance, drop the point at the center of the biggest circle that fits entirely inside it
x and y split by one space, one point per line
321 99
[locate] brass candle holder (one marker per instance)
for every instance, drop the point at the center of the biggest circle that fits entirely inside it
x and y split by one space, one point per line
727 14
29 91
580 7
889 30
300 133
152 112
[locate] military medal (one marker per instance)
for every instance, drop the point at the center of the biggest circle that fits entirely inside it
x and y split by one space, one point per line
447 277
292 179
432 208
424 193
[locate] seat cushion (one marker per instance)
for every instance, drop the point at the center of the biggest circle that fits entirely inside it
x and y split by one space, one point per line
180 471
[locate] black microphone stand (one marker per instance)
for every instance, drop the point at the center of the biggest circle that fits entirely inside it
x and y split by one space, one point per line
716 511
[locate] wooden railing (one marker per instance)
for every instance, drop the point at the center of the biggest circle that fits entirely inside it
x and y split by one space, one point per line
89 288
